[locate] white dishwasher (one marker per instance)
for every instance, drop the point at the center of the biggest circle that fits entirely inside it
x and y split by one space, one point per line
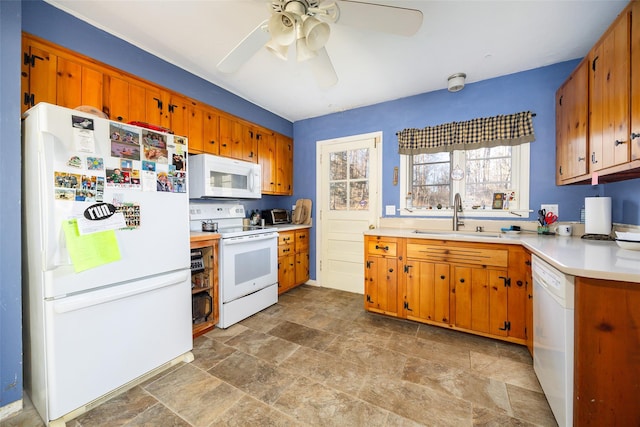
553 310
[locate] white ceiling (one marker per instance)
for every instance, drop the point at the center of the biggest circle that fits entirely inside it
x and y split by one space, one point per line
483 39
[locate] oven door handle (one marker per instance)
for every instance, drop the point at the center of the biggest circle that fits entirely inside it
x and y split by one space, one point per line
249 239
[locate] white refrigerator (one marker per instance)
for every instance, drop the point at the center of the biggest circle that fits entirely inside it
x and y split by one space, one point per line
106 265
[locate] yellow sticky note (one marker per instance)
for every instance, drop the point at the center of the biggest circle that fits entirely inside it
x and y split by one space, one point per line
90 250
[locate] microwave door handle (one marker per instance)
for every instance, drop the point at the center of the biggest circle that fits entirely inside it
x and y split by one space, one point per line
252 179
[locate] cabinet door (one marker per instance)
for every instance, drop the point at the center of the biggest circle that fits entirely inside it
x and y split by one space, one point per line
126 101
427 291
250 138
302 241
267 159
286 273
498 300
38 76
635 81
230 138
529 310
177 115
302 268
77 84
211 132
284 164
609 104
381 285
471 287
519 270
196 129
572 110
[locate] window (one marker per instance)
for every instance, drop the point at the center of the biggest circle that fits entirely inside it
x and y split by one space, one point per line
481 176
349 180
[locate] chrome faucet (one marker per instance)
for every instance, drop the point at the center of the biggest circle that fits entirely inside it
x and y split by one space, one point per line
457 207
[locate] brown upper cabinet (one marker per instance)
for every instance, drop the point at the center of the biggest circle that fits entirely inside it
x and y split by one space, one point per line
635 81
611 141
572 110
56 75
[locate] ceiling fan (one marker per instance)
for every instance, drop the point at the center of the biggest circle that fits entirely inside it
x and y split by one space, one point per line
305 24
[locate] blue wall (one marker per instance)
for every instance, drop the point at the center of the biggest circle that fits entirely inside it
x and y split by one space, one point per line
10 248
532 90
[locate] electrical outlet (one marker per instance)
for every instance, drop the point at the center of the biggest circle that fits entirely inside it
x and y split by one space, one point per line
390 209
550 208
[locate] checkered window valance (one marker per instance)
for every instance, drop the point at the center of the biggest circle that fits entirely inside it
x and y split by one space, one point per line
512 129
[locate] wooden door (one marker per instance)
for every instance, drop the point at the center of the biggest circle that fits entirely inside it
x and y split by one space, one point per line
211 132
635 81
178 113
77 85
302 267
441 293
519 268
267 160
230 138
609 84
382 287
196 129
348 204
498 319
249 138
284 164
38 76
462 288
572 110
286 272
427 291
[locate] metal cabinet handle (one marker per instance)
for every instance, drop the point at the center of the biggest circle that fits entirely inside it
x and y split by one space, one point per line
634 135
384 248
618 142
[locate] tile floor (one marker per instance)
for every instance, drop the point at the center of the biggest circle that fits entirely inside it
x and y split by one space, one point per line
317 358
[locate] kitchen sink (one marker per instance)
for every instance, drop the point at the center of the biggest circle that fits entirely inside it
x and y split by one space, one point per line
469 234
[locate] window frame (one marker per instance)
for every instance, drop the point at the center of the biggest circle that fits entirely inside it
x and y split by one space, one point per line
520 162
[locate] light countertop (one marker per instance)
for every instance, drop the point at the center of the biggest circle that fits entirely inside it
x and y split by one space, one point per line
571 255
205 235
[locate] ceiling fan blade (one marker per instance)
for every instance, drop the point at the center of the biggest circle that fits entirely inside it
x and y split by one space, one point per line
323 69
240 54
376 17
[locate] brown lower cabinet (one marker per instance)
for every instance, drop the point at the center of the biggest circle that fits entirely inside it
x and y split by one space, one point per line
293 259
204 283
606 353
473 287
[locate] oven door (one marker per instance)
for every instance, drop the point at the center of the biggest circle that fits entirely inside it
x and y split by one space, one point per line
247 264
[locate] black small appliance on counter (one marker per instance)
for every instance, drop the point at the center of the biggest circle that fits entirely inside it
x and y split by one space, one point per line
276 216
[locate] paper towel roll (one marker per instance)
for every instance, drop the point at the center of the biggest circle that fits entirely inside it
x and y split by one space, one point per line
597 215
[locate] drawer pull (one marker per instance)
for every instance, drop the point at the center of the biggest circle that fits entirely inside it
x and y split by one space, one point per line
384 248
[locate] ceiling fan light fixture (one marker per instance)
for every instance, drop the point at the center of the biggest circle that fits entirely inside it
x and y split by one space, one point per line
282 28
280 51
456 82
315 32
303 53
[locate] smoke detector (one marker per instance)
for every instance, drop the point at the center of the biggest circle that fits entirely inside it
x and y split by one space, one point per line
456 82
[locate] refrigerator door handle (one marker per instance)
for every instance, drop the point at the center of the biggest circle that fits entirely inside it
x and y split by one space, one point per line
103 296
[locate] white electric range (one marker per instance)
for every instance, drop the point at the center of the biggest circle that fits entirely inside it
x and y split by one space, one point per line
248 260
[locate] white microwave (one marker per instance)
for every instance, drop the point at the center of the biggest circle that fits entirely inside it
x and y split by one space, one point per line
215 176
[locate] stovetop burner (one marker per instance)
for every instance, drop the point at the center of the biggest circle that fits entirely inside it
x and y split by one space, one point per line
228 216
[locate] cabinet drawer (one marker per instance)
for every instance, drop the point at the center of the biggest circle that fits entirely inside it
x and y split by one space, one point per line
302 240
286 238
382 247
458 254
285 250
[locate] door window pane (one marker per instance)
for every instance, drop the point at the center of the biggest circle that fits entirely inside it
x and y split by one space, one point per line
349 180
338 165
